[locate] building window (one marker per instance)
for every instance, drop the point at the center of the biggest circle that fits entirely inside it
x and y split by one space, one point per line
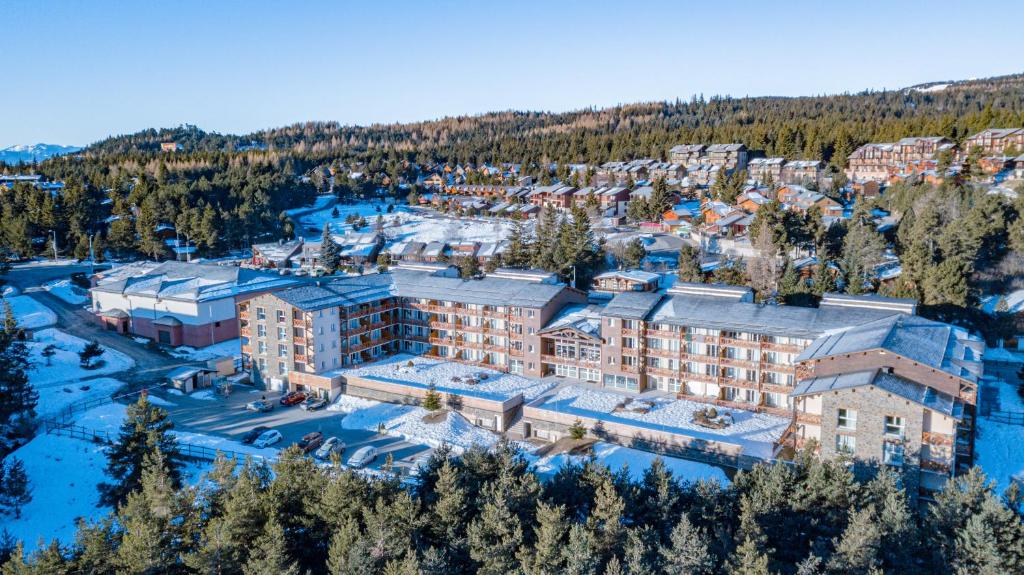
846 444
847 419
282 333
282 351
893 426
261 313
280 316
261 330
892 453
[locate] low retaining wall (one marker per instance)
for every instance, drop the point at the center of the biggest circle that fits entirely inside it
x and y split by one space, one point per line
555 425
487 413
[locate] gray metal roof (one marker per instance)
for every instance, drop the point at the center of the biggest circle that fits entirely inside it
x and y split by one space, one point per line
340 292
913 337
495 291
905 388
632 305
793 321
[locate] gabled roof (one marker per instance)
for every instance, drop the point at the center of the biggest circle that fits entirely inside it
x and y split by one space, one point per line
890 382
632 305
912 337
583 319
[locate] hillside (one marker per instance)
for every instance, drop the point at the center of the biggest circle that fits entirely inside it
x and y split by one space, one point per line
820 127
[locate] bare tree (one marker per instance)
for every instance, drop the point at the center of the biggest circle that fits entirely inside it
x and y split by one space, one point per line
765 269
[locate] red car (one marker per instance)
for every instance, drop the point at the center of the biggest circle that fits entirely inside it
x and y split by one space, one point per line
293 398
311 441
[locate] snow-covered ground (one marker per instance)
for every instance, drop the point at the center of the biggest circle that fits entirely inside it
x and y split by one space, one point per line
67 291
407 422
64 474
616 457
54 398
755 432
64 365
450 377
30 313
231 347
404 224
997 444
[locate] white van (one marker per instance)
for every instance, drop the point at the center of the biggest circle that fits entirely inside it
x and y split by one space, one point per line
362 457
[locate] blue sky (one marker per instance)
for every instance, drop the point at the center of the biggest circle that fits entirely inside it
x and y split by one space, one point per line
77 71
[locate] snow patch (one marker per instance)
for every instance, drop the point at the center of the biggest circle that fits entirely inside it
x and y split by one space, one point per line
229 348
66 291
29 313
64 365
617 457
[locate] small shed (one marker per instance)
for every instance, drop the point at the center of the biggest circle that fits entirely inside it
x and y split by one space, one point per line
189 379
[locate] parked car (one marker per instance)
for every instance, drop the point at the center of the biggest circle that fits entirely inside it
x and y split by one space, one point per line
267 438
332 445
254 433
293 397
260 405
313 403
362 457
311 441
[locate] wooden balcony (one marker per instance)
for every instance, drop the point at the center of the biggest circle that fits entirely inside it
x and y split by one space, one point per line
932 438
808 418
744 343
936 466
736 362
689 376
662 352
663 371
781 347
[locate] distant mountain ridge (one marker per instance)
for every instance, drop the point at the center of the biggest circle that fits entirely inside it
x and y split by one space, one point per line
34 152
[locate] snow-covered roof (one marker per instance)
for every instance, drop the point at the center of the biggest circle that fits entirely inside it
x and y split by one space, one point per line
585 319
187 281
890 382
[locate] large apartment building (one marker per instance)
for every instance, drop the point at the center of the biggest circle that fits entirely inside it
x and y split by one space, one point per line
294 337
996 141
877 162
704 343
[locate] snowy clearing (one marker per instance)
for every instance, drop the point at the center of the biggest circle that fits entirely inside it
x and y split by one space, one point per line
64 474
450 377
67 291
229 348
755 432
616 457
55 398
30 313
405 224
407 422
64 365
204 395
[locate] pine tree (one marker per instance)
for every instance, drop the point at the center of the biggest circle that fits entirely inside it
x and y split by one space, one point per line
15 491
545 558
432 399
748 560
580 556
495 536
639 554
862 250
605 519
633 254
688 552
857 550
89 354
269 556
330 251
18 398
689 265
144 432
148 540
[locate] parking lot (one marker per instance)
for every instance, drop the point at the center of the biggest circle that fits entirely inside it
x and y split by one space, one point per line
227 417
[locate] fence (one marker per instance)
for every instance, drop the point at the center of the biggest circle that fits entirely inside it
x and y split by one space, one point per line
1009 417
187 450
61 425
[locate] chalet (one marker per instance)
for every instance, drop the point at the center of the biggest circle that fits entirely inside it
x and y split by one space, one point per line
801 171
800 199
727 156
752 199
410 252
434 181
435 252
872 162
995 164
613 200
702 175
171 147
686 154
665 171
996 141
714 210
277 254
491 250
764 170
626 281
919 148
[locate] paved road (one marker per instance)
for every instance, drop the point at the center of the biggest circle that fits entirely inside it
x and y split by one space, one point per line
76 320
228 418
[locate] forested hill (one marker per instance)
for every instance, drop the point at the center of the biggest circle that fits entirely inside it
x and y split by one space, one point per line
813 127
